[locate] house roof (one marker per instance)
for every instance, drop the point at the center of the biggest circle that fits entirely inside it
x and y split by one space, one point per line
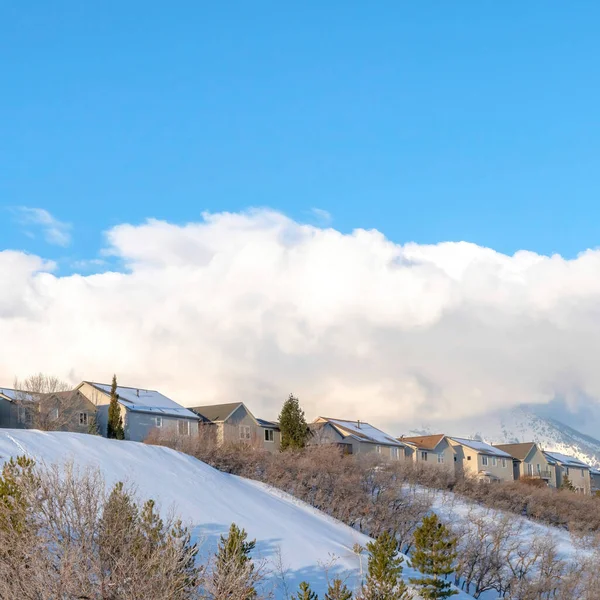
362 431
217 412
146 401
482 447
518 451
9 393
267 424
424 442
563 459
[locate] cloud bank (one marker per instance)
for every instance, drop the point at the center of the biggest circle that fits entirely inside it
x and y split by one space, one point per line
254 306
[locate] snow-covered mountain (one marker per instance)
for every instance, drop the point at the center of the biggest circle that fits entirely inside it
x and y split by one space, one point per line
525 424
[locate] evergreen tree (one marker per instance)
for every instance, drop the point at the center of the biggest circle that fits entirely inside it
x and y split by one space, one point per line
305 593
114 427
567 485
234 569
338 591
433 556
384 573
294 430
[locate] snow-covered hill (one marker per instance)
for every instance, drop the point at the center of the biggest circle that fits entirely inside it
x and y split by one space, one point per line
209 501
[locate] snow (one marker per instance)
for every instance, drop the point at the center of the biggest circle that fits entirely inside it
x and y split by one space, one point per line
566 460
148 401
482 447
11 394
360 430
209 501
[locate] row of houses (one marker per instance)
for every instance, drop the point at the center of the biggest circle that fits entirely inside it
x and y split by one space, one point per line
146 411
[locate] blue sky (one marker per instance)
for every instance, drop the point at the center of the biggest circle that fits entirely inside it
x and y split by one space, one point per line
429 121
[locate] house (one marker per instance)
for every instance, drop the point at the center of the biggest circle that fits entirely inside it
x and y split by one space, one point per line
9 409
56 411
567 467
595 480
529 461
235 423
355 437
481 460
142 411
430 449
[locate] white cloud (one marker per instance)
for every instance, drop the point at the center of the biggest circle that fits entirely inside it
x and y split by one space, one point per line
55 232
254 306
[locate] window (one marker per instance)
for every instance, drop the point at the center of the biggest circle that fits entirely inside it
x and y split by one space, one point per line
394 452
529 469
424 456
245 432
468 458
158 421
538 468
83 418
440 459
504 463
583 472
567 470
378 449
268 435
53 416
183 427
484 461
494 461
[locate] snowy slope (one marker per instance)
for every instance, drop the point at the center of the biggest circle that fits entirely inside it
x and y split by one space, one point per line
209 501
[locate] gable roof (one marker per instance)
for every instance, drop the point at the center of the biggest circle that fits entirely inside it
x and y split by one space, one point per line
518 451
363 432
481 447
424 442
145 401
221 412
563 459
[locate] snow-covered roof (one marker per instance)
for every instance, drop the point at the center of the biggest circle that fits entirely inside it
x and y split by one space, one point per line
267 424
147 401
482 447
8 393
566 460
363 432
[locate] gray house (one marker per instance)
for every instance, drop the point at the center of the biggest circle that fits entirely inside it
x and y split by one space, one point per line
142 411
9 409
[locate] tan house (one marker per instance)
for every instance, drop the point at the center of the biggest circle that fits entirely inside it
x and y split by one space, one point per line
481 460
575 470
430 449
235 423
57 411
529 461
142 411
355 437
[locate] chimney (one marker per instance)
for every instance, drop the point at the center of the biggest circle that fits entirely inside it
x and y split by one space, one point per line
358 422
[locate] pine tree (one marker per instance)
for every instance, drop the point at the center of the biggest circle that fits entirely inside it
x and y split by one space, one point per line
234 569
114 427
292 424
305 593
567 485
433 556
338 591
384 572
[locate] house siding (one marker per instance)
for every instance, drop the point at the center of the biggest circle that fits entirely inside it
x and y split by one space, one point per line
470 463
137 425
275 445
535 458
578 476
241 418
9 414
443 449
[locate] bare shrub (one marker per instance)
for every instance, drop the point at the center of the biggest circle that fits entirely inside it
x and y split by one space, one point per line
61 536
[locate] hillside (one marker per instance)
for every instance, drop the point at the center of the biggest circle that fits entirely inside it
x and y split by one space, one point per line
209 501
